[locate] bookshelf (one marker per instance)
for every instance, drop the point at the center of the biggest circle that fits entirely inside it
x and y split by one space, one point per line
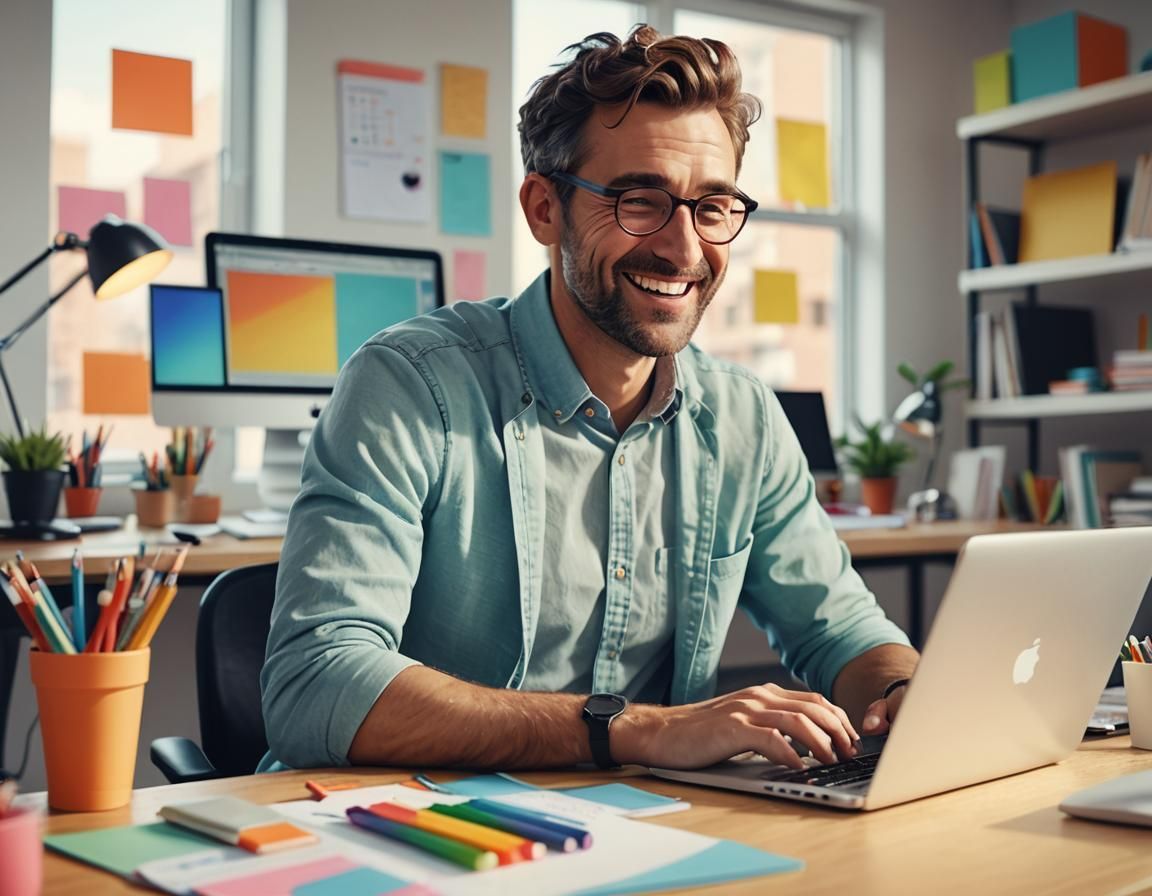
1117 105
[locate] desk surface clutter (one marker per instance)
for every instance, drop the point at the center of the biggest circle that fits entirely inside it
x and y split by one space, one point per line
1003 836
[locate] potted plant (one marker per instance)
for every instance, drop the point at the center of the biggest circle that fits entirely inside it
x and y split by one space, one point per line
875 458
34 475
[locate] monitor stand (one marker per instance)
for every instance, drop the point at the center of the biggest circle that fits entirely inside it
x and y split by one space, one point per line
279 480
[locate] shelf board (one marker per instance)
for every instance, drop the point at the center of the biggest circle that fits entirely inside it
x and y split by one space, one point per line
1015 276
1112 105
1036 406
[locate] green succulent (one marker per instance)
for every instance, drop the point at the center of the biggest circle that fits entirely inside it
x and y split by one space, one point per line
35 451
873 456
934 375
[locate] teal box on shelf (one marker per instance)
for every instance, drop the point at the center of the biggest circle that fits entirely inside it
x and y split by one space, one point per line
1065 52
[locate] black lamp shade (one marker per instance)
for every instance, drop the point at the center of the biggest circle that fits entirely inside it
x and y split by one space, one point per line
122 256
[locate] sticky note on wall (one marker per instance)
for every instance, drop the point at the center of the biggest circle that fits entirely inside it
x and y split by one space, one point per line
777 297
79 208
116 383
168 209
465 194
151 93
468 278
463 101
802 163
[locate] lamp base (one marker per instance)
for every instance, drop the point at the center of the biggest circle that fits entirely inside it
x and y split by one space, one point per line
53 531
931 504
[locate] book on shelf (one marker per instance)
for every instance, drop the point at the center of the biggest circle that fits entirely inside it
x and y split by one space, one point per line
974 477
1135 231
1000 230
1025 349
1131 370
1090 479
1067 214
977 258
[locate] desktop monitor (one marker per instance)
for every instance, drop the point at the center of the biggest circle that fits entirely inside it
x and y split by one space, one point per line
262 343
805 411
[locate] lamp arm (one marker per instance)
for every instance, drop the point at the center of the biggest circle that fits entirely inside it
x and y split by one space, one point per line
6 342
937 438
11 398
63 241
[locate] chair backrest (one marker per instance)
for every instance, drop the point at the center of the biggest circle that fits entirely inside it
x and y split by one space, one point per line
231 637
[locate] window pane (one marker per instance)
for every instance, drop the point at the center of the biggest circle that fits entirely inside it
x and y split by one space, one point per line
541 30
88 153
792 73
800 356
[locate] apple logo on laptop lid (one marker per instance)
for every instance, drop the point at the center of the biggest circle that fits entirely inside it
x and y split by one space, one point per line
1025 666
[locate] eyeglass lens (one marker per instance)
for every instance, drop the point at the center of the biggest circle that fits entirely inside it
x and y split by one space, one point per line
717 217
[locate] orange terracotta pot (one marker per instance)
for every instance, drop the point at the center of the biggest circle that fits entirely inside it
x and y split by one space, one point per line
879 494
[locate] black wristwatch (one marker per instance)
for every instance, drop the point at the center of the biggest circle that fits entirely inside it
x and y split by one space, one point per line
599 711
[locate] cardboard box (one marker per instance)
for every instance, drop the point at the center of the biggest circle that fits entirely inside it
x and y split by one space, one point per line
1065 52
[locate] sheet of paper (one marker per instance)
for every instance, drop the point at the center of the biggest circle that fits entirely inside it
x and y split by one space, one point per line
122 849
469 276
168 209
116 383
465 194
463 101
384 142
777 297
151 93
802 163
79 208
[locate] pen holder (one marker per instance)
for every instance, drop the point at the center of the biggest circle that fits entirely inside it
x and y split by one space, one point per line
183 488
21 871
90 706
154 508
201 509
82 501
1138 689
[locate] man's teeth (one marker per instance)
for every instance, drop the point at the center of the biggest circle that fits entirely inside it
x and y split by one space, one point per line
663 287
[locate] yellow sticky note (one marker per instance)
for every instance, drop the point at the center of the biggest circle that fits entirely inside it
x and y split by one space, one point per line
463 101
116 383
151 93
992 82
777 297
802 162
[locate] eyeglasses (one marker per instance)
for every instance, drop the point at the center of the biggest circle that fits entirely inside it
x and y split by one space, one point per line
641 211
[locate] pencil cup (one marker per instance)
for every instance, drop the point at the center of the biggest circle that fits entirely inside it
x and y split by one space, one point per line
182 490
1138 688
82 500
154 509
201 509
21 869
90 707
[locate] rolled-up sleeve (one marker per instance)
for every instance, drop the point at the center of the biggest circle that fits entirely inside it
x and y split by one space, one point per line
800 587
351 556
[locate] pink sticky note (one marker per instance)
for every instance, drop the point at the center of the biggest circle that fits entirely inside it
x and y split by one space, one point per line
168 209
81 208
469 279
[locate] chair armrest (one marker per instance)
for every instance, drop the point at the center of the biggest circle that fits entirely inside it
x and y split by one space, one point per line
181 760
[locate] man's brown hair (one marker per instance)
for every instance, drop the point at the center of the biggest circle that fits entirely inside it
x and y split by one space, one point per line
681 72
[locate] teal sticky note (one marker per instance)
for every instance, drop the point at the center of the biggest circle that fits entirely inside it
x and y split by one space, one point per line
121 850
465 193
620 796
487 786
357 882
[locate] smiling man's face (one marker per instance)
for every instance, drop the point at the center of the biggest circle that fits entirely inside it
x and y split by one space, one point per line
647 293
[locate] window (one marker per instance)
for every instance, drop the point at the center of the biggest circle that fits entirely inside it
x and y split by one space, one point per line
88 154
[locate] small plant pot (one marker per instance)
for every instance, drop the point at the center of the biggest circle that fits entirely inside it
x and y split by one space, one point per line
154 508
879 494
33 495
81 501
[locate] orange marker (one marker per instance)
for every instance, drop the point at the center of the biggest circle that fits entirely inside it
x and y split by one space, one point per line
321 789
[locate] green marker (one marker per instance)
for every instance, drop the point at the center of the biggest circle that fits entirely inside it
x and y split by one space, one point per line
452 850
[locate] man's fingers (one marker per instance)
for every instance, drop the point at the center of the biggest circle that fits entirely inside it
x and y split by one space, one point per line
841 735
803 730
876 717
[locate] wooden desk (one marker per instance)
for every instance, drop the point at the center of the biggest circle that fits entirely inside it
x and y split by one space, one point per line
1006 836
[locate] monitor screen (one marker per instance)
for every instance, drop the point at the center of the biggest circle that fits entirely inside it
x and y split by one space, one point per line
276 322
805 411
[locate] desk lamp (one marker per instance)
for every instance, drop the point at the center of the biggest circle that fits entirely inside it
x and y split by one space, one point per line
121 256
920 415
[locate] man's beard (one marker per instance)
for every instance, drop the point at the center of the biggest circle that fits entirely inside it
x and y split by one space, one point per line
665 332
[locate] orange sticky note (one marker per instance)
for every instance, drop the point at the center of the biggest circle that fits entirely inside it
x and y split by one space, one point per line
116 383
777 297
463 101
151 93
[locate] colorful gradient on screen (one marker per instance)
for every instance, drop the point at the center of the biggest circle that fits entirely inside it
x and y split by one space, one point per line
281 323
367 303
187 336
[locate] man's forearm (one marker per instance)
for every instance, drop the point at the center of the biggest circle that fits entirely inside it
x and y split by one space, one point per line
425 717
864 678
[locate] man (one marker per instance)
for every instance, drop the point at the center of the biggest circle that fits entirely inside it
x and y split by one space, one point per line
509 506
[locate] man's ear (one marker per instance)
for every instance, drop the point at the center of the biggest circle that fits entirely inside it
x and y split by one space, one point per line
542 209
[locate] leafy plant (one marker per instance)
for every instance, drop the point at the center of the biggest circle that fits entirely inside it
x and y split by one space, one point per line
873 456
35 451
932 375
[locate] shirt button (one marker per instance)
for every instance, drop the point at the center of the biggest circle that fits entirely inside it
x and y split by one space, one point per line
557 413
520 434
589 412
620 460
620 573
611 654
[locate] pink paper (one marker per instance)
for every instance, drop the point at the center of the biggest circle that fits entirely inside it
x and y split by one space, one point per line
81 208
168 209
468 278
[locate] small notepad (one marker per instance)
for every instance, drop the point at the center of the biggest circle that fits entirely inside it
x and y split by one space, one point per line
239 822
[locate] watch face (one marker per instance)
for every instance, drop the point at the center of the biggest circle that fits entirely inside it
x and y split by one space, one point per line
604 705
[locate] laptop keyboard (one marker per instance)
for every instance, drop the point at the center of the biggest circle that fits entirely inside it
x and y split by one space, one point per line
837 774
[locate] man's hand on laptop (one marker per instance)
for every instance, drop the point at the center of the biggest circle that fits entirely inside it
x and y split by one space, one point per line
759 719
881 713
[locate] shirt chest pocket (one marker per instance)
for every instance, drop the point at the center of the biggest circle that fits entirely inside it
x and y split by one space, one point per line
725 582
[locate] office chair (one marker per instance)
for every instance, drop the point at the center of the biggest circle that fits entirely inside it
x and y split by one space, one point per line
231 636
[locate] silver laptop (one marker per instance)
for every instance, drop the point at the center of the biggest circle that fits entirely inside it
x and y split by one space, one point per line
1022 645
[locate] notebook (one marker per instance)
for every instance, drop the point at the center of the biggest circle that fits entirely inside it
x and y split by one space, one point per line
1024 642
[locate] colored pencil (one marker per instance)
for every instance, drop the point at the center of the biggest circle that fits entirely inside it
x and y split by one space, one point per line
25 614
568 827
79 623
451 850
509 848
558 842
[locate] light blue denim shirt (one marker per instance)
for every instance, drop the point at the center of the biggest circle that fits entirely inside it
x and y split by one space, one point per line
418 534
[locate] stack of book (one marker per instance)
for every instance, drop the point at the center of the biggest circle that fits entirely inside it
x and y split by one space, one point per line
1134 506
1091 478
1035 499
1131 371
995 236
1023 349
1136 226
